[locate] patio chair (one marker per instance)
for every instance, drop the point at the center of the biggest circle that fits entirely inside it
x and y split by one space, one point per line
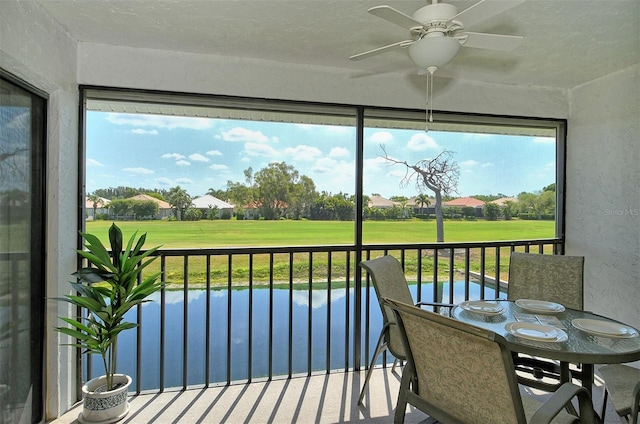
390 282
552 278
459 373
622 385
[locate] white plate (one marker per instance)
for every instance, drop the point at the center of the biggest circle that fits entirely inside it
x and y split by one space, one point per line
482 307
604 328
541 333
540 306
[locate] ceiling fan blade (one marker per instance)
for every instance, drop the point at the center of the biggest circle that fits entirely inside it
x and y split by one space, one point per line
480 40
484 9
379 50
394 16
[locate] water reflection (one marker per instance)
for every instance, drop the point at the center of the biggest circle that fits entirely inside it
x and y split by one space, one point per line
273 316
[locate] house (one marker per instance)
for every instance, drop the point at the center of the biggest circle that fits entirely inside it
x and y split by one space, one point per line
466 202
381 202
503 201
207 203
579 63
164 208
101 207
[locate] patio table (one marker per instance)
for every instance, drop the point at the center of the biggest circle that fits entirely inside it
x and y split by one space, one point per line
580 347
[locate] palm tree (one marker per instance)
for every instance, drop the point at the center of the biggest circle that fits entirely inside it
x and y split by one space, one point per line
422 200
180 200
96 202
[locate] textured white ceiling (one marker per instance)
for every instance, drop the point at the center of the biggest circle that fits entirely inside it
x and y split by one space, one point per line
566 42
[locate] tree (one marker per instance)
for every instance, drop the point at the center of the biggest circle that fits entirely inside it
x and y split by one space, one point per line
218 193
96 202
303 194
491 211
179 200
120 207
440 175
280 188
144 208
422 200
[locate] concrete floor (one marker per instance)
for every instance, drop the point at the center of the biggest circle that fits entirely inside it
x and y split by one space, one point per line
319 399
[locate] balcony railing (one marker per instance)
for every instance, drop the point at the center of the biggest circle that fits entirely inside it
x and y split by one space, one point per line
233 315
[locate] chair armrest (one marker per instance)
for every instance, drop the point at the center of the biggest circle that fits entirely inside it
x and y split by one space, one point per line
445 305
561 398
436 305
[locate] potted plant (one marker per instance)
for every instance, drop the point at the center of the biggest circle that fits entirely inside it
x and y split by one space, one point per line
107 287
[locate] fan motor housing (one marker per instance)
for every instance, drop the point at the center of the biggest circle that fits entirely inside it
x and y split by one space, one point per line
435 12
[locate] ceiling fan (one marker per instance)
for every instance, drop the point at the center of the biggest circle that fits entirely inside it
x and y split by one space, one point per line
438 31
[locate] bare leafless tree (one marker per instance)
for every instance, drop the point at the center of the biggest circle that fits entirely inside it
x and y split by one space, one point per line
12 164
439 174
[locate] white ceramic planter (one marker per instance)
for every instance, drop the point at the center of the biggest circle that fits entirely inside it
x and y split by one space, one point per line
102 407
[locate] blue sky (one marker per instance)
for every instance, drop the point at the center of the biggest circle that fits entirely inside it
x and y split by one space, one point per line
154 151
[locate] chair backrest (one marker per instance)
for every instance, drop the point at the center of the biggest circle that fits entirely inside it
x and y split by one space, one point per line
553 278
389 282
464 373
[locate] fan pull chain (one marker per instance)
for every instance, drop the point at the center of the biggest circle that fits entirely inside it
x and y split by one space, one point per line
429 96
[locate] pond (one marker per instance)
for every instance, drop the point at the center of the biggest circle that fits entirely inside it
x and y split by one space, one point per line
322 327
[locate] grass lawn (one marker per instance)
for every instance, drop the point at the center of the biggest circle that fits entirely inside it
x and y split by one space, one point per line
227 233
232 233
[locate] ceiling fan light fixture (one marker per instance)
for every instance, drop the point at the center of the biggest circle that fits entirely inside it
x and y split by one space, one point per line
433 50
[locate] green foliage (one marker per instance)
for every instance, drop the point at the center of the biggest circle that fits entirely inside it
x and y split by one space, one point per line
491 211
108 288
192 214
144 208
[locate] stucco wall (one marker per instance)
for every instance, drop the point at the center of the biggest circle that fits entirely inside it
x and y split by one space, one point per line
602 157
37 50
116 66
603 191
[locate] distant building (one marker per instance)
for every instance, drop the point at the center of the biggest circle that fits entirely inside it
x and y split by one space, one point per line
102 207
381 202
164 208
503 200
466 202
208 202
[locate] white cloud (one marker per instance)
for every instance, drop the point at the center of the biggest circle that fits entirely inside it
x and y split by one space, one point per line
303 153
468 163
176 156
93 162
197 157
339 152
163 181
421 141
139 171
219 167
258 149
184 181
159 121
183 163
141 131
214 153
381 137
243 134
324 165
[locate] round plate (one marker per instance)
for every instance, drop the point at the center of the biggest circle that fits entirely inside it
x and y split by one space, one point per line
540 306
537 332
604 328
482 307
